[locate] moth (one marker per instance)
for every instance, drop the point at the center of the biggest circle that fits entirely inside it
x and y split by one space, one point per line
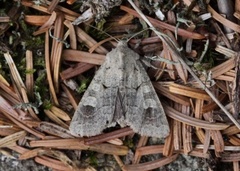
120 92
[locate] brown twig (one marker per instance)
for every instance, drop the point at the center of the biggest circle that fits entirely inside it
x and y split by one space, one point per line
81 56
78 144
151 165
48 70
109 136
172 113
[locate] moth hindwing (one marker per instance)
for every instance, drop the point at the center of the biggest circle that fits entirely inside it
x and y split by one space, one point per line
120 92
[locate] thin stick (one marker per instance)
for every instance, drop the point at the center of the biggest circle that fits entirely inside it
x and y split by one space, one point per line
175 52
48 69
29 74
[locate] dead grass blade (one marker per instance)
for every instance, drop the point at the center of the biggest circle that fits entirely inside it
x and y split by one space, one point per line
18 149
236 166
177 135
225 51
182 72
223 20
151 165
231 130
158 149
19 83
116 141
36 20
187 132
226 148
5 19
120 163
172 113
207 140
167 55
8 129
92 49
60 113
222 68
230 157
212 106
108 136
55 119
89 41
220 32
188 91
23 126
4 81
198 108
29 109
78 144
8 91
70 96
60 156
234 140
52 5
78 69
126 19
47 24
50 21
168 144
48 70
142 142
215 135
54 129
52 163
68 14
57 47
72 34
71 14
10 140
174 97
81 56
30 154
14 72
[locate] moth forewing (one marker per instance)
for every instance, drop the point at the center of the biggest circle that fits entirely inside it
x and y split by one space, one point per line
120 92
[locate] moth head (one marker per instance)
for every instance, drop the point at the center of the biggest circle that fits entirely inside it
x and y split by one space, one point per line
122 44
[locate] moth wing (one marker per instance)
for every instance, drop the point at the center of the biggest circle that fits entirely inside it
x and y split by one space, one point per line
145 113
96 109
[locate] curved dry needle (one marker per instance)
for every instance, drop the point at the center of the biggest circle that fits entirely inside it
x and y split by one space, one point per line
67 45
162 34
117 40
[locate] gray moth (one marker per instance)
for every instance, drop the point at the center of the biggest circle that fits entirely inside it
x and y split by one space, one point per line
120 92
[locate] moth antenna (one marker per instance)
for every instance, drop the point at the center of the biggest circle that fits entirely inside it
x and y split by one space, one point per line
135 34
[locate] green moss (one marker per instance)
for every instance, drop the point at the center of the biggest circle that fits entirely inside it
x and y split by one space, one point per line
83 86
47 104
129 143
93 159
